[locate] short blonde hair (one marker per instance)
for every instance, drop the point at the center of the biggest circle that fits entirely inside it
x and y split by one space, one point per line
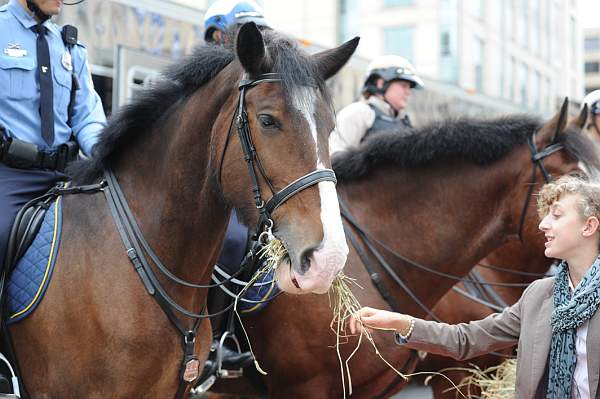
589 204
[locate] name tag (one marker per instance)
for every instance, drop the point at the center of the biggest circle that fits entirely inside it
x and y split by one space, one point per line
15 50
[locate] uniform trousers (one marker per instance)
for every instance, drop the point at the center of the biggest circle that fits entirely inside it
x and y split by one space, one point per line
17 187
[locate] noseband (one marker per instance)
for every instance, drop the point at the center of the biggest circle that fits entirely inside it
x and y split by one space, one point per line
536 159
265 222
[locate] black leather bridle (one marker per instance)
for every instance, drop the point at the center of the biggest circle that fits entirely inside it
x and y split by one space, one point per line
265 222
536 158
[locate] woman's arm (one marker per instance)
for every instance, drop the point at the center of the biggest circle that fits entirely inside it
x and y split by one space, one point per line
460 341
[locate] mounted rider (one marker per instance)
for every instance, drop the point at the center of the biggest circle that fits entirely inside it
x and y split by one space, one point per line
386 90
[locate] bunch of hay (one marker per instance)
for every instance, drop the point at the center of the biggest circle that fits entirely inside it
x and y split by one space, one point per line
273 252
496 382
345 305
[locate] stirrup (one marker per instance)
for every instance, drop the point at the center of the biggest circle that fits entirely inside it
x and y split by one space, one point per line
221 372
14 381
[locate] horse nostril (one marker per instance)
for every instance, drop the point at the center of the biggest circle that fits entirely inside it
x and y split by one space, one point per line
305 260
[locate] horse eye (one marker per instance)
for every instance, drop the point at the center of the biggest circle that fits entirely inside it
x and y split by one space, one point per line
267 121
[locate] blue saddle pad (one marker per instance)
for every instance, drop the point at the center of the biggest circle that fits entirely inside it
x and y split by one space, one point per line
30 278
259 292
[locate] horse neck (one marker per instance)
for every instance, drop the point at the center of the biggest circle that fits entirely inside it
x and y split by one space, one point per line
524 256
446 217
170 184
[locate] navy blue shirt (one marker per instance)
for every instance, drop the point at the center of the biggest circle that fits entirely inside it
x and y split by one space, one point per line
20 90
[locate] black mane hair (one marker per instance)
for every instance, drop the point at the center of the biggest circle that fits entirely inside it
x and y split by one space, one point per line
180 81
476 141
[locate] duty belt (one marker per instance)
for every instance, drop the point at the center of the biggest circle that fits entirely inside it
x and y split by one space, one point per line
23 155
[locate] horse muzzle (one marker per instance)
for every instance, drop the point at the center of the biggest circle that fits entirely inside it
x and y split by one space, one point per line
313 270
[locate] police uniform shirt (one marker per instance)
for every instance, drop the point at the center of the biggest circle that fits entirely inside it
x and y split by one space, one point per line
19 85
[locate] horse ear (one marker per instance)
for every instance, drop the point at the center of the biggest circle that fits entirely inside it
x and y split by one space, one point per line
250 48
329 62
561 122
582 118
550 132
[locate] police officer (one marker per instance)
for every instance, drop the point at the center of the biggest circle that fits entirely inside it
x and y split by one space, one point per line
223 18
46 98
592 99
386 91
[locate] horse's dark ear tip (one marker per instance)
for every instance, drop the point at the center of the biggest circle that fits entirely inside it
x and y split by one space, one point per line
248 28
249 25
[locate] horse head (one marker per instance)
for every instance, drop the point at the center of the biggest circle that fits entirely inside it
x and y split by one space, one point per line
558 147
283 113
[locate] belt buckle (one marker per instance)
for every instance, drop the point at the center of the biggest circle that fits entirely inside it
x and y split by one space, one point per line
49 160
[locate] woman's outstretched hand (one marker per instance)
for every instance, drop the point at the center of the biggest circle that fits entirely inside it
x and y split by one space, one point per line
378 319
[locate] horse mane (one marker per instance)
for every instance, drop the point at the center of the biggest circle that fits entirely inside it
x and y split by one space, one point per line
178 83
476 141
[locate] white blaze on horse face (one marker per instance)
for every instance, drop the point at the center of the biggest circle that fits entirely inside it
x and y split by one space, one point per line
330 256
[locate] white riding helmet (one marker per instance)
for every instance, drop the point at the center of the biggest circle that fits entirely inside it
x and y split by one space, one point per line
390 68
592 99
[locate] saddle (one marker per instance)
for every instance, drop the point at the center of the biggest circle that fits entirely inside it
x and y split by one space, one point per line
25 228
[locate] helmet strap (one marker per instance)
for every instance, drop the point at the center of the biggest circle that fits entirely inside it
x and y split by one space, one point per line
37 11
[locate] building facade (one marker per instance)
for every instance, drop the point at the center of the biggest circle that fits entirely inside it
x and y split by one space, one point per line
525 53
591 49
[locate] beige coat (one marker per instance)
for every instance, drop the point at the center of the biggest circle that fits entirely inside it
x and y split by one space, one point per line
527 323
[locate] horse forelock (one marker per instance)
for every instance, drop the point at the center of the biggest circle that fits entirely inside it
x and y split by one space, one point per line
476 141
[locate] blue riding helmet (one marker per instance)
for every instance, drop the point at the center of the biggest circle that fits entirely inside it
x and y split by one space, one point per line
224 14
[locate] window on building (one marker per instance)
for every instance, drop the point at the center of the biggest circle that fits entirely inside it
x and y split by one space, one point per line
592 44
535 27
349 19
523 23
445 43
523 99
592 67
478 63
555 18
549 96
511 76
508 10
574 42
475 8
547 34
535 91
393 3
400 41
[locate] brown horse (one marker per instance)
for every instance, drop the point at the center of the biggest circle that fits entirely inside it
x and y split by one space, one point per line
444 196
182 166
505 265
